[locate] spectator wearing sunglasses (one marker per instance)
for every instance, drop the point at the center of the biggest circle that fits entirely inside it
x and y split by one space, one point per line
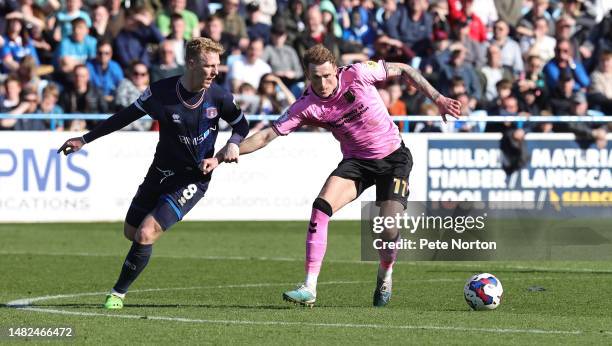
105 73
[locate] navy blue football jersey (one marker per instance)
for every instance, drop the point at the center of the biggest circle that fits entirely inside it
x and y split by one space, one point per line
188 122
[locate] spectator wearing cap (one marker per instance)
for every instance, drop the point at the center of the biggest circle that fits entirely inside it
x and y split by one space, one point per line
256 27
63 20
105 73
282 58
192 25
564 62
17 43
510 49
132 42
77 48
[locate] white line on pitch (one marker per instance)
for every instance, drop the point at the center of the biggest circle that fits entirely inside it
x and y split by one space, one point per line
28 301
23 304
311 324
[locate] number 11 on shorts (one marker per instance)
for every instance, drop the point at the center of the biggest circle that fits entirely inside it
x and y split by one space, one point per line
400 184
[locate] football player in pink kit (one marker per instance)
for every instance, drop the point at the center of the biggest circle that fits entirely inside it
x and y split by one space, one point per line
345 101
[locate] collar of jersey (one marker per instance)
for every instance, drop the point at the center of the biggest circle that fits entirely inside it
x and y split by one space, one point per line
178 94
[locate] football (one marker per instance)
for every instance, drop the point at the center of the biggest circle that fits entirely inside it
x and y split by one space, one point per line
483 292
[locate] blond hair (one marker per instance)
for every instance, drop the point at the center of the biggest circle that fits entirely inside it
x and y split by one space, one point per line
200 45
50 90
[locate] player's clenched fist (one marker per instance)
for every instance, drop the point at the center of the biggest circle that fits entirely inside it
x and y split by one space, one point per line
208 165
72 145
230 152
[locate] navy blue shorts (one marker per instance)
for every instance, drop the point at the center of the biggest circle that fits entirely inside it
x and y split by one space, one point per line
165 195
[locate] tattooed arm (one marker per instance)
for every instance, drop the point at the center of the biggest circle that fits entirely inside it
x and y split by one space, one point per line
445 105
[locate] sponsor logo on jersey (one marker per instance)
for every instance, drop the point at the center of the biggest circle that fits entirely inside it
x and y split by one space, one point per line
372 64
211 112
196 140
176 118
349 96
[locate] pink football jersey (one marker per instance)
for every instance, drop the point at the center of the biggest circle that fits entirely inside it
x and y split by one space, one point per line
355 113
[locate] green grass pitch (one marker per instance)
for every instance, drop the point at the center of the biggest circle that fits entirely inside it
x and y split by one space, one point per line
221 282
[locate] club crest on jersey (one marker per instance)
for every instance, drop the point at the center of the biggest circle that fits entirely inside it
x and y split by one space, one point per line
211 112
349 96
372 64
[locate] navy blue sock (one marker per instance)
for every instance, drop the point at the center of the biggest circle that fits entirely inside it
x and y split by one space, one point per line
135 261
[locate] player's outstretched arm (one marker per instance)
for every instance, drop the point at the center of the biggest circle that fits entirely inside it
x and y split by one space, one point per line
257 141
446 105
116 122
249 145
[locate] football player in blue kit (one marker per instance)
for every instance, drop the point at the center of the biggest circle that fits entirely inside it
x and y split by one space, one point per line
188 109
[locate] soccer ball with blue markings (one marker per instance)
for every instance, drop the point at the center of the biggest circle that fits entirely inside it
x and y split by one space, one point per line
483 292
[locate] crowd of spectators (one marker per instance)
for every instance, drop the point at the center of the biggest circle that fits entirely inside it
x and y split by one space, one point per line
498 57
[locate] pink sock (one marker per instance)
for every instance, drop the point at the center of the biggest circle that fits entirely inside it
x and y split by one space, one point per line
316 244
387 259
